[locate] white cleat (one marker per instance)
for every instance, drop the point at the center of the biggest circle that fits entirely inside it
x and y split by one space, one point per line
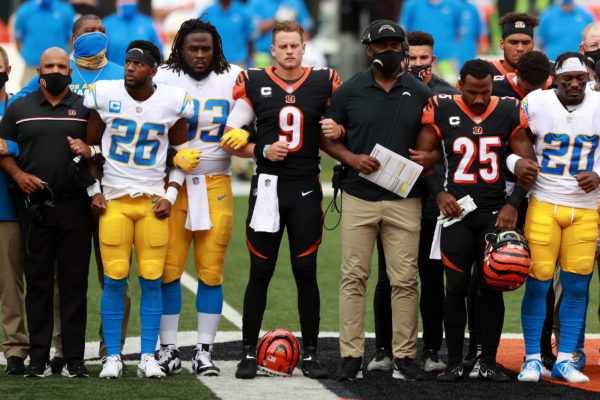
111 367
566 371
530 371
149 367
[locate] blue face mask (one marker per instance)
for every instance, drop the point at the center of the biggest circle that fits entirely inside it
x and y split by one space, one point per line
127 11
90 44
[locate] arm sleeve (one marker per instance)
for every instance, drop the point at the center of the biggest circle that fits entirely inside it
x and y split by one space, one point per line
336 110
90 99
242 114
186 109
239 89
13 148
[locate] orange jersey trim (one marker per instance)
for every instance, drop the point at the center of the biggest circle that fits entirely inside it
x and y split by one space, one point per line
490 108
312 248
449 264
281 83
500 67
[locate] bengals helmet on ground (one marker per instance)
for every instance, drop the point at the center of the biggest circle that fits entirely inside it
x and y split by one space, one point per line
506 260
278 352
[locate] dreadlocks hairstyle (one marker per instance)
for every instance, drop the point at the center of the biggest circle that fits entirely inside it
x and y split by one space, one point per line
419 38
534 67
147 46
175 61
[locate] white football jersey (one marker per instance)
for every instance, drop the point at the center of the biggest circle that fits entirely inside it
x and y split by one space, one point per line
213 100
136 137
566 143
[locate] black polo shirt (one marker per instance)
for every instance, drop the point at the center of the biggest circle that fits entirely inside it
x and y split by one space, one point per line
41 131
371 115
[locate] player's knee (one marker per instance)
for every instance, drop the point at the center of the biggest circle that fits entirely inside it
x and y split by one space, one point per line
542 271
458 284
211 277
150 269
116 269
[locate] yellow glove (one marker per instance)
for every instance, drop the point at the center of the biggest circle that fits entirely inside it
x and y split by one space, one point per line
187 159
235 138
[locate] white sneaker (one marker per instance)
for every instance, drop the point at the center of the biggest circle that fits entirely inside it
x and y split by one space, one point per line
566 371
381 360
111 367
149 368
530 371
202 361
430 361
168 359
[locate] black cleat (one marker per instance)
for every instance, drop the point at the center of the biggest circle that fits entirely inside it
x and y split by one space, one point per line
351 369
492 372
14 366
75 368
406 369
38 368
311 366
246 369
452 373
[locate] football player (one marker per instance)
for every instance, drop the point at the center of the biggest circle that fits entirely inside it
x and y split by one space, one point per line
517 39
203 211
562 218
135 120
288 101
474 128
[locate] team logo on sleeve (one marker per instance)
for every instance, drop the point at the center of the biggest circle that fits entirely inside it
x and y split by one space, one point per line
114 106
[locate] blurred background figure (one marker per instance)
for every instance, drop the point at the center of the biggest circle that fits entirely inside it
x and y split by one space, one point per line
40 24
125 25
441 19
560 28
470 31
265 13
233 22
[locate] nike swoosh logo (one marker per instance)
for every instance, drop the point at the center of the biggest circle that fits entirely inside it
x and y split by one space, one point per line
494 212
221 197
155 200
307 193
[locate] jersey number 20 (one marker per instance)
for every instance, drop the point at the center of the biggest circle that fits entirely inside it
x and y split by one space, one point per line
558 147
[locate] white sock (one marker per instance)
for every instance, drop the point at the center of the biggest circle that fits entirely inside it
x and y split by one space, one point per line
207 327
537 356
561 356
168 329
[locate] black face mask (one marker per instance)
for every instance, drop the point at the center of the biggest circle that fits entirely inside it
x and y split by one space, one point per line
3 79
55 82
593 57
196 75
387 61
421 72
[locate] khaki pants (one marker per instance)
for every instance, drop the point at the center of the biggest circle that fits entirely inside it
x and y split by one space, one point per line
399 222
11 291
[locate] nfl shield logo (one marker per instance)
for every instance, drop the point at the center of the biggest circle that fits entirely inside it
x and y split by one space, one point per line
289 89
196 180
267 182
477 120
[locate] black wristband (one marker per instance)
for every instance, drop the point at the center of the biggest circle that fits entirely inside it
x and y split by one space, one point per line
432 185
517 196
258 151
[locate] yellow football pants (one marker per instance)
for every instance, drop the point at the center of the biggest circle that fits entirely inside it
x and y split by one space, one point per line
130 221
566 233
210 246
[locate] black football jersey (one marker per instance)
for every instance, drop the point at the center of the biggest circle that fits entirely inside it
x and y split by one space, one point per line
473 145
498 68
506 85
288 112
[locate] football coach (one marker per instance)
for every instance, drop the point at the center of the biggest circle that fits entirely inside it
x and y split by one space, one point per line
53 211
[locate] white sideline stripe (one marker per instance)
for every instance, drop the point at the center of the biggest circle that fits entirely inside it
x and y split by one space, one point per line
228 312
227 387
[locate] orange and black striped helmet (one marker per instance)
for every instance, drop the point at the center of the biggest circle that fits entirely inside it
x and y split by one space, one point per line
506 260
278 352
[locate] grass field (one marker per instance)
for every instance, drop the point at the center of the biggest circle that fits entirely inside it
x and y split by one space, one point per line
281 313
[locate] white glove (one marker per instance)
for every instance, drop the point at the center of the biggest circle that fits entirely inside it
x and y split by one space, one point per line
466 204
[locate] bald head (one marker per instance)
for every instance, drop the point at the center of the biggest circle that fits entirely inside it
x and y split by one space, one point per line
590 37
54 59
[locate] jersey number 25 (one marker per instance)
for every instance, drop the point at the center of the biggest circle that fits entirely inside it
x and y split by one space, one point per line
468 149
